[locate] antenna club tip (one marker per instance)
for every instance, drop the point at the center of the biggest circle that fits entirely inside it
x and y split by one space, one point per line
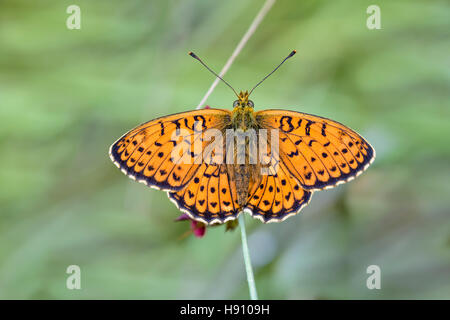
292 53
192 54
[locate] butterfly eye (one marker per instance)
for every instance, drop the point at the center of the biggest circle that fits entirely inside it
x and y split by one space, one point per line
235 103
250 104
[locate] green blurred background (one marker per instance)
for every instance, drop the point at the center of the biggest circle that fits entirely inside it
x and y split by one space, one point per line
66 95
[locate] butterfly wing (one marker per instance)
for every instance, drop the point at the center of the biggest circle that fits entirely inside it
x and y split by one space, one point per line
146 153
210 197
277 197
320 153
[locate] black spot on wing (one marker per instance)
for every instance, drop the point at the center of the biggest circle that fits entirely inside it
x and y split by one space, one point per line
286 124
308 127
292 154
324 126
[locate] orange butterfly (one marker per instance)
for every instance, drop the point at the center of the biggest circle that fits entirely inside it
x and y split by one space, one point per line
312 153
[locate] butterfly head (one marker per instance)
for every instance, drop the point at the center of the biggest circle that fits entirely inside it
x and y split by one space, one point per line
243 100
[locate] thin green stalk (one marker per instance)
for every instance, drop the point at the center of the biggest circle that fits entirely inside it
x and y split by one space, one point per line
251 30
247 261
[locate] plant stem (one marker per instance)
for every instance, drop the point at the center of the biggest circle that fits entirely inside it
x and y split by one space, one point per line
247 261
251 30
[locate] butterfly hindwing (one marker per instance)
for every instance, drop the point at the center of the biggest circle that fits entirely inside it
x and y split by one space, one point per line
209 197
320 153
277 197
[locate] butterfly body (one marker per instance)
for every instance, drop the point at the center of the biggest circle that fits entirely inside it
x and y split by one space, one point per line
244 175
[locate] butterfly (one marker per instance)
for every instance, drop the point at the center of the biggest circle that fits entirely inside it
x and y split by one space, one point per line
308 153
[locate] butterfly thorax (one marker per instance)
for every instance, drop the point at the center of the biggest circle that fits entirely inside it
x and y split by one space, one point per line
243 116
244 175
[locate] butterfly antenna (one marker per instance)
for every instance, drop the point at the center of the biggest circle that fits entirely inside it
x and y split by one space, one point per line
290 55
193 55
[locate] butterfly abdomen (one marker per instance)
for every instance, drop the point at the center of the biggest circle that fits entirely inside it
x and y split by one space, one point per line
242 182
244 178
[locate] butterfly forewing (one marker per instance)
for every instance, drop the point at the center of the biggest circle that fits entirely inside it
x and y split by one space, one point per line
320 153
145 153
